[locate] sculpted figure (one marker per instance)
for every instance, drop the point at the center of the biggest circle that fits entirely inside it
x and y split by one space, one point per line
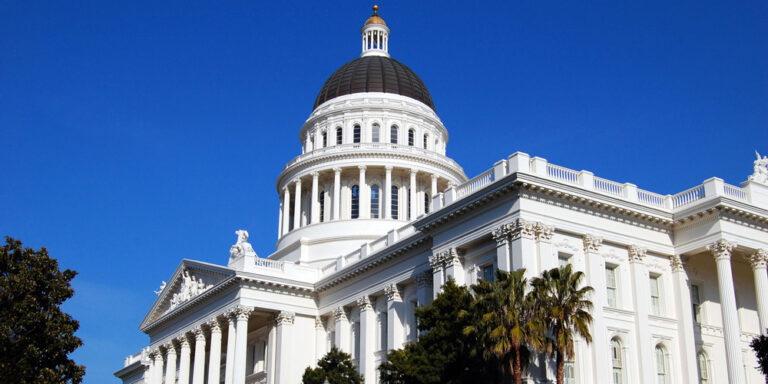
242 247
159 291
760 173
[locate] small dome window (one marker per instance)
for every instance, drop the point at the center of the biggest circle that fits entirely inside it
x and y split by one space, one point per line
356 134
375 133
411 133
339 136
355 201
393 134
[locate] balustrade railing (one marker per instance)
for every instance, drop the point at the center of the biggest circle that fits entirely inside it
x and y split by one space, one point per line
608 186
688 196
475 183
563 174
269 264
650 198
398 148
734 192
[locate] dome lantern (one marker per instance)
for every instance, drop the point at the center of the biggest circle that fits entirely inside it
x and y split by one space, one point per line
375 35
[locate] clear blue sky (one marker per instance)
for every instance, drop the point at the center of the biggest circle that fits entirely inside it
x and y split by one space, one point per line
136 134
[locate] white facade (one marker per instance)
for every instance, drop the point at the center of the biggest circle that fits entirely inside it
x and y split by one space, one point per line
370 228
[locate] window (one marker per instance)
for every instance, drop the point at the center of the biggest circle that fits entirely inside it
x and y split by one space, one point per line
563 259
610 285
322 206
382 331
696 302
356 134
426 140
486 272
703 365
393 134
661 365
339 136
655 299
426 202
355 201
375 131
569 373
325 139
410 137
616 362
375 198
291 210
394 202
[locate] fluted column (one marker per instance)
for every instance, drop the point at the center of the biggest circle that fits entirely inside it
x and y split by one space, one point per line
184 360
272 351
523 247
412 197
596 276
641 296
367 339
315 206
454 267
438 277
241 338
341 324
297 205
721 251
758 262
229 368
170 366
395 313
157 367
284 342
198 367
388 192
365 196
501 235
336 193
433 191
320 336
286 210
684 315
214 356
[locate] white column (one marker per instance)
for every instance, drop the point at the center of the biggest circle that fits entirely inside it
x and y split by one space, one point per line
501 235
433 192
198 367
758 261
286 210
388 192
454 268
684 312
157 367
284 343
424 288
297 205
336 193
412 197
342 330
365 196
229 367
367 340
280 220
184 360
596 277
170 366
315 206
272 354
395 313
642 296
241 339
438 279
320 336
547 256
523 247
721 250
214 356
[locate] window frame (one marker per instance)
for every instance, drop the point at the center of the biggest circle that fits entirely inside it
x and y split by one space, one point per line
656 306
354 206
339 136
394 209
393 134
375 133
357 134
411 137
375 201
611 290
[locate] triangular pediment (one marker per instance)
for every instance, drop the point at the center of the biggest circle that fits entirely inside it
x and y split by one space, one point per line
190 280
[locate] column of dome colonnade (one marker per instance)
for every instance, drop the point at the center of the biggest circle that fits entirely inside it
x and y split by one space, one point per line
178 362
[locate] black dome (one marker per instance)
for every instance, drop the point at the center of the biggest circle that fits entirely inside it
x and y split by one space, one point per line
374 74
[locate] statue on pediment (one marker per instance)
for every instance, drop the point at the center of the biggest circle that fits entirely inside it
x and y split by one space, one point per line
760 174
160 290
242 248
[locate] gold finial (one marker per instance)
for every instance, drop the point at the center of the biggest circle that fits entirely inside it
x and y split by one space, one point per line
375 9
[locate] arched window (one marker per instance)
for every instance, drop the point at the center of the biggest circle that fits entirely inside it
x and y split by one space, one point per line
410 137
356 134
426 202
375 132
408 205
394 193
325 139
339 136
393 134
355 201
426 140
375 199
322 206
703 368
616 362
661 365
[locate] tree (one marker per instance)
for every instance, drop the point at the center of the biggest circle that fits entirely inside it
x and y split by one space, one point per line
336 367
564 306
760 345
503 321
36 337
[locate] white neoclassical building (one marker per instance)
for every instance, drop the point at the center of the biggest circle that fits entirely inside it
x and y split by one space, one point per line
374 217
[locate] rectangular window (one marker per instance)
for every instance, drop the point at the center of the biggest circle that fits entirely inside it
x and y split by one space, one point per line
393 134
356 338
610 286
322 206
339 136
356 134
332 339
426 139
569 374
655 299
395 208
486 272
325 139
375 133
696 302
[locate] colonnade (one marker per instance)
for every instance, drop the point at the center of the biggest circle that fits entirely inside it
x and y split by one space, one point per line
205 365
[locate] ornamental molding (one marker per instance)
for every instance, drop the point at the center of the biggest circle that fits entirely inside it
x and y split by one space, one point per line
340 314
592 243
522 229
189 287
544 232
319 323
676 263
214 325
500 234
424 279
636 253
285 318
758 260
392 292
185 342
364 303
721 249
199 334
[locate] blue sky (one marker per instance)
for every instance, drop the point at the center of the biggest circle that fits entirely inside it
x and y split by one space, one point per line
136 134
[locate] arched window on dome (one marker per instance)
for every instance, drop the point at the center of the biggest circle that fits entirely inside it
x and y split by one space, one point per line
394 192
375 133
322 206
617 362
375 201
411 133
339 136
355 201
661 365
426 202
356 134
703 365
426 140
325 139
393 134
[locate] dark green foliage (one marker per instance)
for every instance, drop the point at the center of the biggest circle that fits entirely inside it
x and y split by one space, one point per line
760 345
336 367
36 337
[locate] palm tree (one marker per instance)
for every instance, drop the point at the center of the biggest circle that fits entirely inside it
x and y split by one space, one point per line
563 307
502 313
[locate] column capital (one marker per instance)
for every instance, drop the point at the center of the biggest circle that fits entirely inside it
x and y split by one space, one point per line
340 314
636 254
676 263
523 229
388 168
319 322
758 259
153 354
199 333
392 292
362 167
364 303
315 175
424 279
544 232
184 341
337 169
433 176
501 234
592 243
297 181
285 318
414 172
214 325
436 262
721 249
239 313
171 347
454 256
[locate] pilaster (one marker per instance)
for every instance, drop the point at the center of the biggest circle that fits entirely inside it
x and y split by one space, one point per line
336 193
522 234
684 315
367 339
214 356
284 322
438 277
198 373
395 312
758 262
547 257
341 318
641 296
596 277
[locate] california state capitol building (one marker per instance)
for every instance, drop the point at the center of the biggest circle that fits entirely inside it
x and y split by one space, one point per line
375 216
